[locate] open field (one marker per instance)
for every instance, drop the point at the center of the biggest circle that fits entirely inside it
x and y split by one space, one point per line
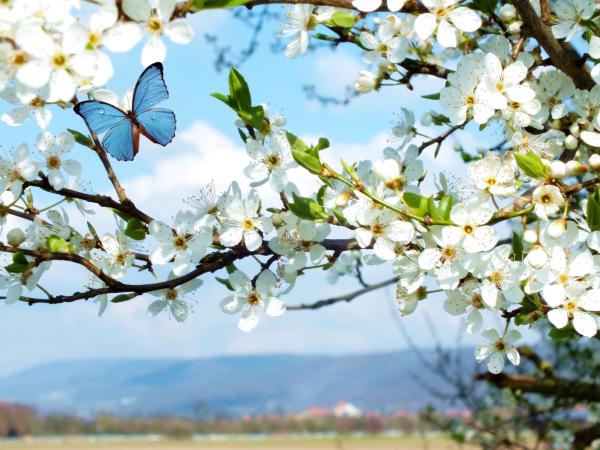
339 443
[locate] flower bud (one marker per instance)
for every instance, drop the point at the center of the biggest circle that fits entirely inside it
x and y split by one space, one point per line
15 237
537 258
530 236
277 220
507 13
515 27
571 142
594 161
427 119
366 82
574 130
575 168
386 169
557 228
558 170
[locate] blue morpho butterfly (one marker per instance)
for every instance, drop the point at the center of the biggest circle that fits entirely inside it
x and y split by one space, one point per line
122 129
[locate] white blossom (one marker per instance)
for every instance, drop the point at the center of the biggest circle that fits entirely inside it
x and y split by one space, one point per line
155 17
448 19
497 349
251 299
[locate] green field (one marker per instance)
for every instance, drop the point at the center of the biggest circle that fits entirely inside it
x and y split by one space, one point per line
341 443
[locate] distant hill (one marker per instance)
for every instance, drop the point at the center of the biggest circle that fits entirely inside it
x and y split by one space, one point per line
229 385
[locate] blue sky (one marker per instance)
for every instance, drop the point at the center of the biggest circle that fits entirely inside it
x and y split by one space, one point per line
207 147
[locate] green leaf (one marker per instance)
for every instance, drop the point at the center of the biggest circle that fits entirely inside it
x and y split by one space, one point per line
517 246
342 18
225 99
239 90
123 298
304 155
531 164
439 119
225 282
442 210
416 202
136 229
93 231
321 194
339 215
122 214
19 264
567 332
57 244
81 138
350 169
19 258
321 145
435 96
297 143
307 208
592 214
199 5
254 116
486 6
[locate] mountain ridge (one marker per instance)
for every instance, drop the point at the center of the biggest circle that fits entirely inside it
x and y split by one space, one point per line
229 385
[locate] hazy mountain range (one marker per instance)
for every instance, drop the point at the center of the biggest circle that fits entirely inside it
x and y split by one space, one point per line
231 385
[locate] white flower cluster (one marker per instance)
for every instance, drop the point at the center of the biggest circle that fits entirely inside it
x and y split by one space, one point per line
49 53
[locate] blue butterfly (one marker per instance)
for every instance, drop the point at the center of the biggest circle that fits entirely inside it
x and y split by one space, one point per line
122 129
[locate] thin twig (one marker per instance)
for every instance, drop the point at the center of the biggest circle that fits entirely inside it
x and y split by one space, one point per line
343 298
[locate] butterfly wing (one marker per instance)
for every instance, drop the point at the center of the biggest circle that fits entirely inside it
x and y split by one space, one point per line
99 116
119 138
158 125
150 88
120 141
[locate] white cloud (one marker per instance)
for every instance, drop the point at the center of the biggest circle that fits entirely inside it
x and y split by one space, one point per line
201 154
336 70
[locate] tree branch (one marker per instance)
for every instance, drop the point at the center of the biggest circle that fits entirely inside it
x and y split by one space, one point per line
549 386
561 56
439 139
101 200
210 263
343 298
42 255
410 6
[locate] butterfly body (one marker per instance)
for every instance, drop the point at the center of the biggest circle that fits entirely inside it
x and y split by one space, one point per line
121 129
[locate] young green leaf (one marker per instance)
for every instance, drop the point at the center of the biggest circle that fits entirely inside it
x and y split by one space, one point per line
81 138
531 164
239 90
57 244
123 298
342 18
517 246
416 202
441 210
135 229
225 99
199 5
303 155
593 210
307 208
19 264
254 116
435 96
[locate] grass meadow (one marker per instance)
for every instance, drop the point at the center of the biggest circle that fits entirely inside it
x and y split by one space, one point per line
333 443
